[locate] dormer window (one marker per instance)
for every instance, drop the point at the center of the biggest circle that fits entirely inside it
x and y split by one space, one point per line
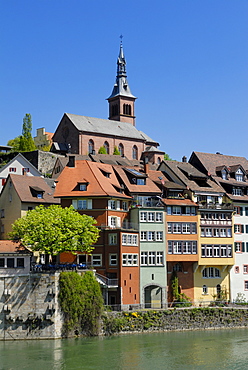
224 174
37 192
239 175
141 181
237 191
83 187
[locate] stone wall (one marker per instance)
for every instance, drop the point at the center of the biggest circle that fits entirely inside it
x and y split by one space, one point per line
29 307
174 319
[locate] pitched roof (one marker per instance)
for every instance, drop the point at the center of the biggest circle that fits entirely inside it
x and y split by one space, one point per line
20 156
210 161
108 127
9 246
95 174
24 185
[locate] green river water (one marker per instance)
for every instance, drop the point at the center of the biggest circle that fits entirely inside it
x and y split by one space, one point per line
215 349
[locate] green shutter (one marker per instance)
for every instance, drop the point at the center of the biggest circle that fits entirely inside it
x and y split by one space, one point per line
241 211
243 247
247 247
246 211
242 229
246 229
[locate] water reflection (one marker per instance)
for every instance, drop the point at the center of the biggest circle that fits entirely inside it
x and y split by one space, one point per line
217 349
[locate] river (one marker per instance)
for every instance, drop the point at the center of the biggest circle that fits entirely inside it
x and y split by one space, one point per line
215 349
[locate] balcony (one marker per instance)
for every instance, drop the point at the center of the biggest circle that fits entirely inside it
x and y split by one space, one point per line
147 202
124 226
216 206
106 282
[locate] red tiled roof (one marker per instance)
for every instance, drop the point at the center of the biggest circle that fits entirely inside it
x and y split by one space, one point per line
181 202
9 246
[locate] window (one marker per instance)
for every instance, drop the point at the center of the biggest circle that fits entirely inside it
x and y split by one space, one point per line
96 259
2 213
135 152
238 246
143 235
124 206
129 239
246 284
121 149
106 146
159 236
245 269
25 170
127 109
238 228
151 235
208 250
20 262
151 216
111 204
12 169
238 210
236 269
177 247
224 174
113 259
178 267
114 221
143 216
159 216
237 191
112 239
83 187
182 247
140 181
91 147
176 210
82 204
204 289
2 262
10 262
130 259
211 272
152 258
239 176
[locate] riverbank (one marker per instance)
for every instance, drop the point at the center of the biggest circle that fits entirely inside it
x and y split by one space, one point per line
174 320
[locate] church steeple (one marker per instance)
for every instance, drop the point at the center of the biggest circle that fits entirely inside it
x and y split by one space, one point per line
121 101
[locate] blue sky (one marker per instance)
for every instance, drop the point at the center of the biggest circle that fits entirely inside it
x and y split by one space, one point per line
187 62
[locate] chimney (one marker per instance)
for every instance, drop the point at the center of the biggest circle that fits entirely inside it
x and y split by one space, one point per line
146 165
71 162
184 159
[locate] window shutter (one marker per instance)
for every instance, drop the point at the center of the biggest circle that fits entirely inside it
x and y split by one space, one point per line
242 229
235 247
118 204
246 211
74 203
247 247
109 220
241 211
243 247
246 229
118 221
109 204
89 204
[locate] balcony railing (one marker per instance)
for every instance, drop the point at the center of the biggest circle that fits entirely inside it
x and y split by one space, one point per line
60 267
125 225
224 206
103 280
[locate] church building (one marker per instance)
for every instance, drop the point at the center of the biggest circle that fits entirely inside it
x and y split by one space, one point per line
83 135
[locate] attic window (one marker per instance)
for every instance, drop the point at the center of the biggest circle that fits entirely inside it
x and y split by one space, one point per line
105 173
239 176
37 192
224 174
83 187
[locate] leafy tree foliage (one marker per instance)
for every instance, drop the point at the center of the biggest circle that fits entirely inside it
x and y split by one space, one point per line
116 151
25 142
81 302
54 229
167 157
102 150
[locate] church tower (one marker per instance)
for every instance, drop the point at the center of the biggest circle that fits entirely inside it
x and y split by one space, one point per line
121 101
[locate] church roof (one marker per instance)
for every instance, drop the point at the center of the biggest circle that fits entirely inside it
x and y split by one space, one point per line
108 127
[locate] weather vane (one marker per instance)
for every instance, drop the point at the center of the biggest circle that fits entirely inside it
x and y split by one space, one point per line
121 37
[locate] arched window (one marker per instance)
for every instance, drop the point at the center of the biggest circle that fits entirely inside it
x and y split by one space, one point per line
204 289
135 152
106 146
121 149
91 148
211 272
218 290
114 110
127 109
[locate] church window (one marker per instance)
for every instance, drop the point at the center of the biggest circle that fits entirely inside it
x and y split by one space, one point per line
135 152
121 149
106 146
114 110
127 109
91 148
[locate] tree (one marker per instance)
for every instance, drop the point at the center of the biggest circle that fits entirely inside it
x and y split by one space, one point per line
116 151
167 157
102 150
54 229
26 140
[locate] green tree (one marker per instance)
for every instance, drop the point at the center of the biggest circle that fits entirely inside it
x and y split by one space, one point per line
15 143
167 157
81 302
54 229
26 140
116 151
102 150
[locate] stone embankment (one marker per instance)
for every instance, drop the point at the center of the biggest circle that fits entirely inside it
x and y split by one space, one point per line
174 319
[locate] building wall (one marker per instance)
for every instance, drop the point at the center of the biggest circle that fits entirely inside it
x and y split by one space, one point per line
11 205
